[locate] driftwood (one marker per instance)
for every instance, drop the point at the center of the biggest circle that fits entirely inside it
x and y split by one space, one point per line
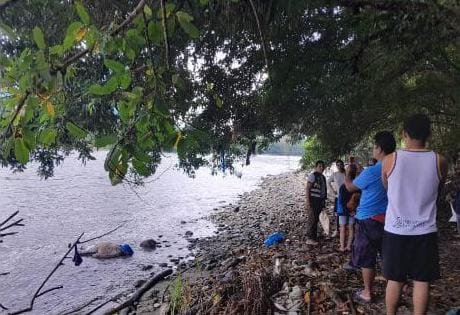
140 292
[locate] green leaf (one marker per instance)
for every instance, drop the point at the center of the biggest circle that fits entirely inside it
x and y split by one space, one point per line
71 34
75 130
48 136
98 89
124 80
104 141
130 53
8 31
39 38
185 22
184 16
219 102
115 66
155 32
141 167
111 85
21 151
82 13
147 11
178 82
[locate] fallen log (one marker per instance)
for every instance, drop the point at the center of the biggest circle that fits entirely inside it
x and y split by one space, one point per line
140 292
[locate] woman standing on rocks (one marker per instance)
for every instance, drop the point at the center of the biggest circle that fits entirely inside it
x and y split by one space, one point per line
346 208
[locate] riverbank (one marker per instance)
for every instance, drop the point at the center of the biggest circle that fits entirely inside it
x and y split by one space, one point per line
234 273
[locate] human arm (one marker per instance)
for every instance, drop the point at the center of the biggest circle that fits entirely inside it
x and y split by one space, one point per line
388 164
349 185
310 181
330 180
442 170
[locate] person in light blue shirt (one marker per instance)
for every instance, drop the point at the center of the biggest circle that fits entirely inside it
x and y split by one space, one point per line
374 196
370 214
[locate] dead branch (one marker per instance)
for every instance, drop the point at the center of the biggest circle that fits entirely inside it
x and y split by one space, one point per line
3 307
9 218
99 306
138 294
49 290
38 293
17 223
80 307
100 236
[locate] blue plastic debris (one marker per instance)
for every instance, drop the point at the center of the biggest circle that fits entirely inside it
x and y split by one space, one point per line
274 238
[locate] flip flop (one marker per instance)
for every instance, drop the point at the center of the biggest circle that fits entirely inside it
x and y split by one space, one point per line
358 298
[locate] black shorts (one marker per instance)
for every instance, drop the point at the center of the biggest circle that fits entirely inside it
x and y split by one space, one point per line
410 257
367 243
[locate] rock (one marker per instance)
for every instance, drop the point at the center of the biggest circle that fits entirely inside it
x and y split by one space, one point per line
188 233
156 305
163 265
183 222
149 244
139 283
236 209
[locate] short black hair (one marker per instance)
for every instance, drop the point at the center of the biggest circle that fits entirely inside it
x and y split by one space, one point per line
320 162
418 127
385 141
339 162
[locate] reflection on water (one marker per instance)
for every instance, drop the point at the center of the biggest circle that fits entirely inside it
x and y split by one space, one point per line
81 199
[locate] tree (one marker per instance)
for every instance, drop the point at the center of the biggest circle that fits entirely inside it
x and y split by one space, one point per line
209 76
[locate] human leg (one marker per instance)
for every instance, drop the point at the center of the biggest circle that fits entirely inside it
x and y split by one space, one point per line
368 280
420 297
364 254
342 237
316 208
392 295
350 234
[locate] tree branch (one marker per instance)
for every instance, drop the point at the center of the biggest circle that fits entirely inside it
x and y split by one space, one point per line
38 293
138 294
97 237
264 49
128 20
165 32
20 106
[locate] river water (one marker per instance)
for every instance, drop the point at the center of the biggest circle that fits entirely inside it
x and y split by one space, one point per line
81 199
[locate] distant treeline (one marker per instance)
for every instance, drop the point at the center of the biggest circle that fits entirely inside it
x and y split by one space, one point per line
285 148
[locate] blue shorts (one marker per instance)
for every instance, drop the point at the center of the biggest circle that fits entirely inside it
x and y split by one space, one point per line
346 219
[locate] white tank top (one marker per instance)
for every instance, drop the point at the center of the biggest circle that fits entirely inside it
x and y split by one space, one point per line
412 193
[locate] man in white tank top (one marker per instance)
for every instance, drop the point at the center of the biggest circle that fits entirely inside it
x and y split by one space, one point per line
413 177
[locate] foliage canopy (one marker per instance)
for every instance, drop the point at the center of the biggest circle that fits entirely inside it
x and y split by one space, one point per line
213 76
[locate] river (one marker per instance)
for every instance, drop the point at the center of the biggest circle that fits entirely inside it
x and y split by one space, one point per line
81 199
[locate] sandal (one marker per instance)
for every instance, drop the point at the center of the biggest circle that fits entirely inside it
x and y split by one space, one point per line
358 298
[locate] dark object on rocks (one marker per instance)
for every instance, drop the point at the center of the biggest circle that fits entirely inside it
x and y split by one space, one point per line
236 209
139 283
183 222
163 265
188 233
149 244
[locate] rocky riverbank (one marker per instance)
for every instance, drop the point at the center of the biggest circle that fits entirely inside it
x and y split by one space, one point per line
234 273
